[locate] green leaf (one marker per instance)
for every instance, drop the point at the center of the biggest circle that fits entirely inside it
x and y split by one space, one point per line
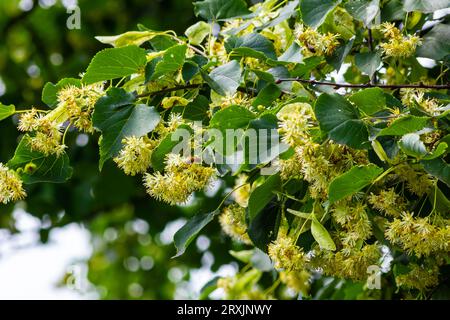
267 95
404 125
392 10
35 167
321 235
369 100
166 146
261 196
438 168
340 120
368 62
172 61
436 43
340 54
363 10
136 38
197 110
314 12
190 230
117 117
427 6
412 145
115 63
293 54
220 9
50 91
233 117
263 228
225 79
6 111
439 151
251 45
352 181
198 32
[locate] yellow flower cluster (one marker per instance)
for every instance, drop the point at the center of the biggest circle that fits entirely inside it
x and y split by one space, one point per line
356 223
387 202
135 156
180 179
322 163
79 103
315 42
11 188
413 97
419 277
46 131
290 168
296 280
232 221
295 121
398 46
418 182
418 236
286 255
348 264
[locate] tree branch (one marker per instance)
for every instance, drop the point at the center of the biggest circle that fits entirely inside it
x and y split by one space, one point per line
365 85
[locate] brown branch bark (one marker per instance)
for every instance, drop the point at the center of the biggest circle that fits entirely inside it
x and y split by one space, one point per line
366 85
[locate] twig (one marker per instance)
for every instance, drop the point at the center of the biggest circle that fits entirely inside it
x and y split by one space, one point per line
365 85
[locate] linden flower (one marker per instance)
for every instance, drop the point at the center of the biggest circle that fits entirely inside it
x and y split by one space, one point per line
286 254
29 120
290 168
317 43
350 264
180 180
296 280
47 135
419 277
398 46
232 221
413 97
135 156
418 236
295 121
388 202
11 188
79 104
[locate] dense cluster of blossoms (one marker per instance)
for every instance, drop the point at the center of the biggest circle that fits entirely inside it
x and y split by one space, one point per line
232 221
11 188
418 236
180 179
398 46
135 156
316 43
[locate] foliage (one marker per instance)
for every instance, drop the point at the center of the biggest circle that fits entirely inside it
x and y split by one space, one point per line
360 173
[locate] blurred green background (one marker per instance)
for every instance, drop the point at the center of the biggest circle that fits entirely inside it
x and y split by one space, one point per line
130 257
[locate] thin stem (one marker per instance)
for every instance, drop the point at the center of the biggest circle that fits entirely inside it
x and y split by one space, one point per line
365 85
